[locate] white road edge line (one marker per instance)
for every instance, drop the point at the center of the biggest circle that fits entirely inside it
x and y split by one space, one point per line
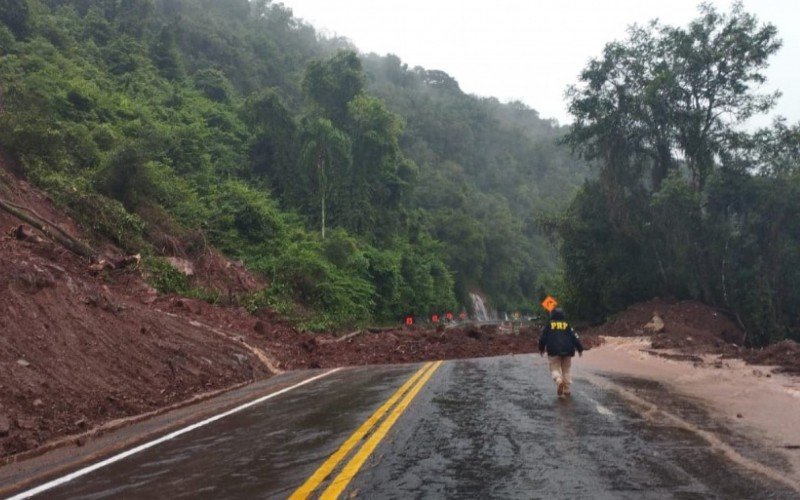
116 458
602 410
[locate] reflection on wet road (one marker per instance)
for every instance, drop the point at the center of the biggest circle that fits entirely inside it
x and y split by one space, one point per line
486 428
494 429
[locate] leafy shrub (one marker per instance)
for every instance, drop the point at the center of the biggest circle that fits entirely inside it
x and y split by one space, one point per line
214 85
246 221
107 218
6 40
165 278
320 285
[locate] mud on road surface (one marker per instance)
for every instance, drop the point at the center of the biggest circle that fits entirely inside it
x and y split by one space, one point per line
749 400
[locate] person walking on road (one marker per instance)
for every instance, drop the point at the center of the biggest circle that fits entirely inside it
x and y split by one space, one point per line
560 341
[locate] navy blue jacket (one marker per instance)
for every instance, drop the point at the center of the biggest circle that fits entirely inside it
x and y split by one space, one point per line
559 339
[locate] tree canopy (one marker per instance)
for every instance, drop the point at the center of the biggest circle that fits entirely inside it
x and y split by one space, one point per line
686 204
235 120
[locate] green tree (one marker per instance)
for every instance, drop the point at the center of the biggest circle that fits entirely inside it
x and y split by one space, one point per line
375 188
668 94
685 204
16 14
326 160
134 16
214 84
332 84
165 55
273 147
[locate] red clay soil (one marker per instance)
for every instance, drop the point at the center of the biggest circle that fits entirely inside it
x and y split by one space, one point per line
693 328
76 351
82 347
79 348
405 345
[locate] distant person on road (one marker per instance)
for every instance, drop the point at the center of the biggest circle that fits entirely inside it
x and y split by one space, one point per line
560 341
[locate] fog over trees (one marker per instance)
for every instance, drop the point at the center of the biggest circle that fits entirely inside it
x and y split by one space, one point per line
364 190
361 188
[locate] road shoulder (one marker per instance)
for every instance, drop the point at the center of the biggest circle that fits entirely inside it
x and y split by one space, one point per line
752 401
20 474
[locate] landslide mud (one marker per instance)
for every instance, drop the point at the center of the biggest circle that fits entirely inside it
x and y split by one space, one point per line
81 347
754 401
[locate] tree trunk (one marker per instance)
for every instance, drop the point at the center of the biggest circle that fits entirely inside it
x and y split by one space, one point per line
50 230
322 184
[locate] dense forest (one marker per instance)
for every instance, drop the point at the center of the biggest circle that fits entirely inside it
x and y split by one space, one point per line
686 202
361 189
364 190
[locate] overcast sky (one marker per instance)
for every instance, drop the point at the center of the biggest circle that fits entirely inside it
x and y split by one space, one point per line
530 50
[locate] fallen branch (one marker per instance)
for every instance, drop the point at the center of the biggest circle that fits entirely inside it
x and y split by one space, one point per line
49 229
43 220
349 336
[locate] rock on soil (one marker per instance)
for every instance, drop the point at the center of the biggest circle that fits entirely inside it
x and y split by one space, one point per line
693 328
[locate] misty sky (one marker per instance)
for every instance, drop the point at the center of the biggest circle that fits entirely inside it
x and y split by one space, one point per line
530 50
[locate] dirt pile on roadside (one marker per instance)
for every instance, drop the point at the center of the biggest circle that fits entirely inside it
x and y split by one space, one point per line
75 352
693 328
82 344
682 324
416 344
785 354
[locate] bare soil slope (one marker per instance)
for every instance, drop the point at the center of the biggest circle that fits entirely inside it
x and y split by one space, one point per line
80 347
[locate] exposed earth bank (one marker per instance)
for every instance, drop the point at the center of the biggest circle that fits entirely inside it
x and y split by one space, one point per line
82 345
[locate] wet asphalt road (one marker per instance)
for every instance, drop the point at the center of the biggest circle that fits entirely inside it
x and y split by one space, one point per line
485 428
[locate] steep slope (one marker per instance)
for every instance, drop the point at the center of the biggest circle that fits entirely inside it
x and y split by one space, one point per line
80 347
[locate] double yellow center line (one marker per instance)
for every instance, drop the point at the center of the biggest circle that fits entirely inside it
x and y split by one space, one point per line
407 392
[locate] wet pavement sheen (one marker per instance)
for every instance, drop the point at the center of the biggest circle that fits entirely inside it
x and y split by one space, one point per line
494 428
485 428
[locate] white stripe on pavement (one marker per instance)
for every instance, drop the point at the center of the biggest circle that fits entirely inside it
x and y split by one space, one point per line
116 458
602 410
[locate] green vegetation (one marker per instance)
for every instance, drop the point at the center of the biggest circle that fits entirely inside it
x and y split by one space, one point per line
361 189
165 278
685 204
